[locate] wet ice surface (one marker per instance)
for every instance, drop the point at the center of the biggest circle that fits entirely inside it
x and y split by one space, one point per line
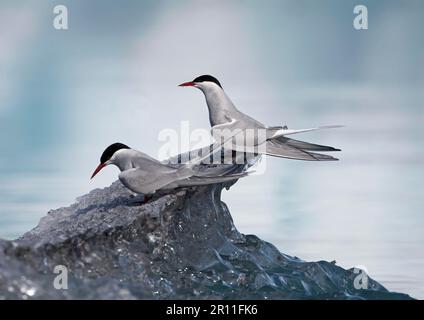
180 245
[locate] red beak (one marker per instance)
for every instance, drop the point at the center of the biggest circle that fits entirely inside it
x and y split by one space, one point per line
187 84
99 167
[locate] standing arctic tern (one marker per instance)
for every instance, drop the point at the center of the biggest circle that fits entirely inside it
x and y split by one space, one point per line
223 115
145 175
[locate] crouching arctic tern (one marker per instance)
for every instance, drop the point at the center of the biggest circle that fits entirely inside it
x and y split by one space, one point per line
145 175
225 117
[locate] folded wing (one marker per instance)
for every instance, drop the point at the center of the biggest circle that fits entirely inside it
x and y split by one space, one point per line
305 145
282 150
205 180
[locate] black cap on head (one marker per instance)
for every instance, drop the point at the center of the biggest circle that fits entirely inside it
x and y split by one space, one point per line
109 151
207 77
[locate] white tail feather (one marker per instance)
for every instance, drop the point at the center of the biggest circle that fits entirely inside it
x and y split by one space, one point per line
286 132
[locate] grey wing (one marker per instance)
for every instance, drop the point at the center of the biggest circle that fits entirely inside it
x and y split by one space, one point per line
246 121
146 182
218 164
215 156
204 180
283 150
231 126
218 170
305 145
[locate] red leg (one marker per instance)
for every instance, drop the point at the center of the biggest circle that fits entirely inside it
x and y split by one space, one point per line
147 198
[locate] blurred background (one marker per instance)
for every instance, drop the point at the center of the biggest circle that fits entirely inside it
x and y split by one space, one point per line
113 75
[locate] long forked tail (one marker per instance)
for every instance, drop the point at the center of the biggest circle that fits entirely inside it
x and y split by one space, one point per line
305 145
285 132
280 149
278 145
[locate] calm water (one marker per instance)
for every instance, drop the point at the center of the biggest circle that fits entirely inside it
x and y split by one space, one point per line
363 210
65 96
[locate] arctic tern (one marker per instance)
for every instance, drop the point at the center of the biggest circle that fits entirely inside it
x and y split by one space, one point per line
145 175
228 122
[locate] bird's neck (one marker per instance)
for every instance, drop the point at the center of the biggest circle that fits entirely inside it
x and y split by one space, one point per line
124 165
123 159
219 104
